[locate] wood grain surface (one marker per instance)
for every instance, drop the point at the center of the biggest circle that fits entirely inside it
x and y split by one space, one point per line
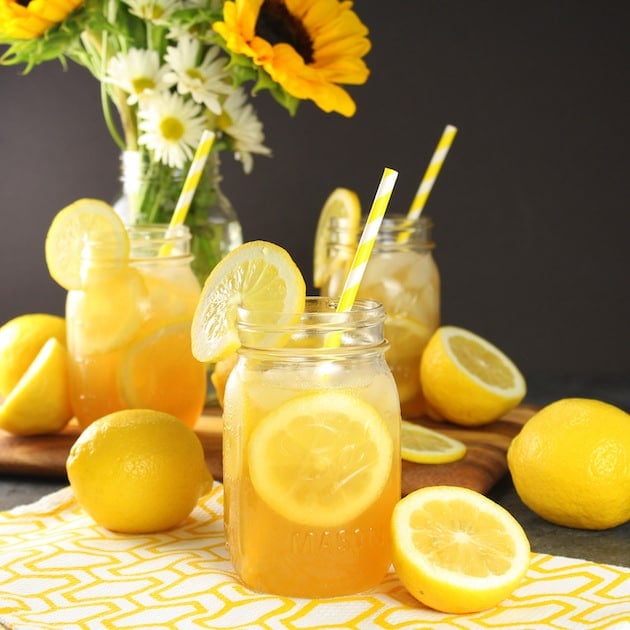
482 467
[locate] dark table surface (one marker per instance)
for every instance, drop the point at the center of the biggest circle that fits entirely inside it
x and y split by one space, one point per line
611 546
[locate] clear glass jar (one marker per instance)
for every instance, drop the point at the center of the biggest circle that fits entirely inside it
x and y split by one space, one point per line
403 276
149 195
128 328
311 451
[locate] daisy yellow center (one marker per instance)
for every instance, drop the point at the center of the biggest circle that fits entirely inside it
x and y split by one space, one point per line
142 83
224 120
171 128
278 25
193 73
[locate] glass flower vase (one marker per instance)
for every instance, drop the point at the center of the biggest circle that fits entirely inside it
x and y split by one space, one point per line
149 195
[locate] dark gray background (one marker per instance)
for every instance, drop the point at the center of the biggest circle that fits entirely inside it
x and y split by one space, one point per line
531 209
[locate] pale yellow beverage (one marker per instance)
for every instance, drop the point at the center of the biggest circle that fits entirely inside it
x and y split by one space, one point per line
311 452
128 329
403 276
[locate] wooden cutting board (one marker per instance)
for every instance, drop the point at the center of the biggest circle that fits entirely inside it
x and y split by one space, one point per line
484 463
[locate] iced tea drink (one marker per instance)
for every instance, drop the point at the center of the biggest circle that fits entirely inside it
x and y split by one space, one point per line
403 276
311 451
128 329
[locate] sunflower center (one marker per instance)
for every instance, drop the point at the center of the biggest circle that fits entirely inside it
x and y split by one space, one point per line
278 25
171 128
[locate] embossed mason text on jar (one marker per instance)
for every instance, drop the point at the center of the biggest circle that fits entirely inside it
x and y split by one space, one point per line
311 450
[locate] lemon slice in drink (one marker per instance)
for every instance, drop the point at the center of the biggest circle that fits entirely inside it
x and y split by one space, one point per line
425 446
140 374
72 228
456 550
257 275
466 379
344 204
300 464
108 313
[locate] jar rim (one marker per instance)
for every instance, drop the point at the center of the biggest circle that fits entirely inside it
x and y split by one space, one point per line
322 308
147 241
319 328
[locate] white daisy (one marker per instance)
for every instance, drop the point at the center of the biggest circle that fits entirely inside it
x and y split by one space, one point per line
137 72
203 81
240 122
171 128
157 11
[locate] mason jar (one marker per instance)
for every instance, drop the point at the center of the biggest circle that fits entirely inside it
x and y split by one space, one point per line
128 328
311 450
401 274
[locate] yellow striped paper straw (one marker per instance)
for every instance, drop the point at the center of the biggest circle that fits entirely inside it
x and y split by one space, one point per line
367 240
433 170
190 184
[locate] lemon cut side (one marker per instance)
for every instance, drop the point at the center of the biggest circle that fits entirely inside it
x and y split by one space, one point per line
40 402
81 225
257 275
468 380
457 551
425 446
302 467
344 204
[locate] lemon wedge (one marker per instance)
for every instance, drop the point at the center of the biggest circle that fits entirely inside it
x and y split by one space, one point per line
40 402
425 446
21 339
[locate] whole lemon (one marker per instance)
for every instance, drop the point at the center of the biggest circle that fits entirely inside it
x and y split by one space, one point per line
571 464
138 471
21 339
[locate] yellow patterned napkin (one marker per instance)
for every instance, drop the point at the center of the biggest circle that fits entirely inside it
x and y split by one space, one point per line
60 570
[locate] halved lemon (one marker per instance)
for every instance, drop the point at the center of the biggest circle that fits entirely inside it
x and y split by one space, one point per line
321 459
73 228
257 275
40 402
344 204
457 551
425 446
468 380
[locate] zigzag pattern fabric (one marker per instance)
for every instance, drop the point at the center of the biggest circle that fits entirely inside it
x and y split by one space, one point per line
60 570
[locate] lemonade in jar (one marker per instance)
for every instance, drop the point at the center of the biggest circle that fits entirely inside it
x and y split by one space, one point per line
403 276
131 298
311 461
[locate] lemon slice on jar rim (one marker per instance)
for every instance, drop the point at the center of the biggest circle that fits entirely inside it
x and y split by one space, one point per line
344 204
84 221
257 275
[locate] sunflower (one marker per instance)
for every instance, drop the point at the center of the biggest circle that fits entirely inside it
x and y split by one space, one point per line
308 47
28 19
